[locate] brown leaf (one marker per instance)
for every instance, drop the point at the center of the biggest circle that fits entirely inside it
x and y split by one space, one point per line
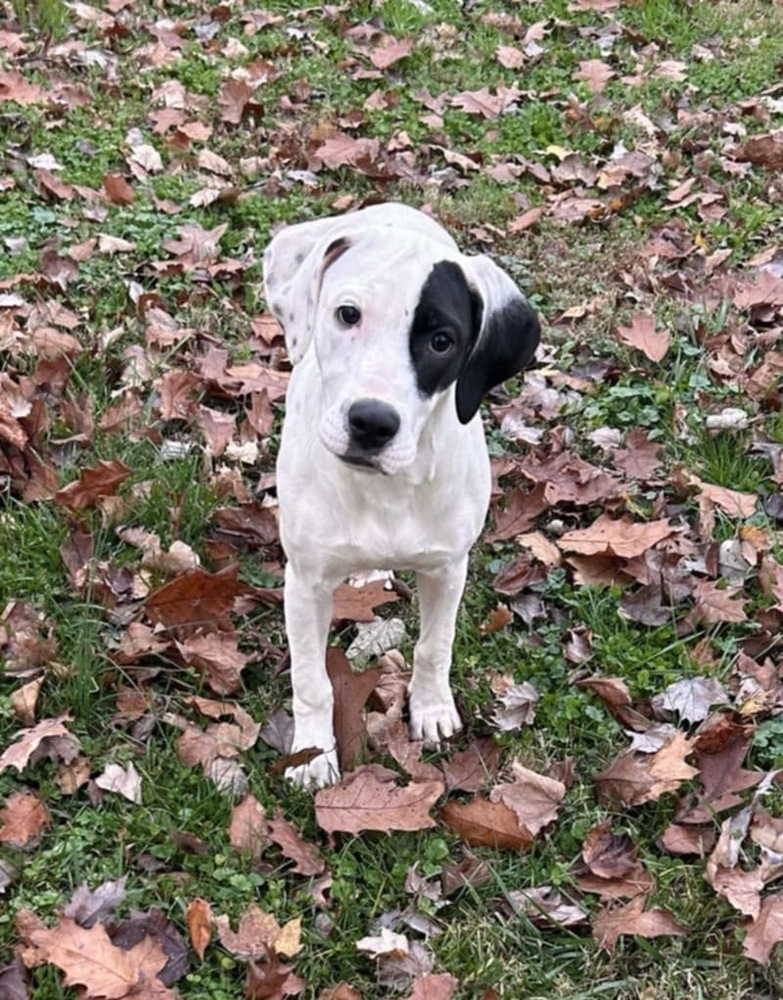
470 769
13 981
357 604
534 798
764 150
351 692
23 819
713 604
642 334
765 931
196 599
631 918
433 986
248 828
27 742
497 620
369 799
680 839
101 481
199 921
258 934
482 102
88 958
340 992
125 781
390 50
88 906
307 860
595 73
233 99
486 824
117 189
217 656
621 537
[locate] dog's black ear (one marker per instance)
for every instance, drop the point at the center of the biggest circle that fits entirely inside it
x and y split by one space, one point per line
508 334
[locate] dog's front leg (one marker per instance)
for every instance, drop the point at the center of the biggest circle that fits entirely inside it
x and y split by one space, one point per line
308 613
432 710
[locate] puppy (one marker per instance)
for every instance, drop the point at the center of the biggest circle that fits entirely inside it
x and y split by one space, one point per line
395 336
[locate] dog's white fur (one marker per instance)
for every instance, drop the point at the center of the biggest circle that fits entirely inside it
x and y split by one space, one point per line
422 502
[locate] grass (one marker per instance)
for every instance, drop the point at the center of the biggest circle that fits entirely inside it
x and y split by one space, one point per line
94 838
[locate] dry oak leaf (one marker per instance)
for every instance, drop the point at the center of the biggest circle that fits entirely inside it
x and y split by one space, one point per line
101 481
88 958
631 918
713 604
217 656
642 334
482 823
369 799
22 819
766 930
764 150
27 742
351 692
258 934
390 50
595 73
357 604
248 828
199 921
481 102
117 189
88 906
433 986
469 769
733 502
620 537
306 857
197 598
534 798
125 781
692 698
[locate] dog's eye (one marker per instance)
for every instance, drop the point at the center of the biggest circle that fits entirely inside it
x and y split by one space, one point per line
441 342
349 315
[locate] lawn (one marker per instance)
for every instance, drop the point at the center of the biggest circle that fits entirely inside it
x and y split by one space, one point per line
610 821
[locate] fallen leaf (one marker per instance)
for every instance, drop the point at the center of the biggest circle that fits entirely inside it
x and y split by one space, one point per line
621 537
765 931
199 921
482 823
88 958
258 933
691 697
28 741
433 986
22 819
88 906
641 333
614 921
307 860
125 781
369 799
534 798
101 481
248 828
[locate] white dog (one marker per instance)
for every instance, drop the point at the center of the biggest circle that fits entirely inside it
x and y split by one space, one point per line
395 337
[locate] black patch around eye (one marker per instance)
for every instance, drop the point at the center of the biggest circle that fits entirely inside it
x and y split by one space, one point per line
446 306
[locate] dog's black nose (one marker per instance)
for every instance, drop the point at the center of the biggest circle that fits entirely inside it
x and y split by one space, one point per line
372 423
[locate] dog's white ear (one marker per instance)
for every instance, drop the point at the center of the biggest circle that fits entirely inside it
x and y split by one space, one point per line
294 265
508 335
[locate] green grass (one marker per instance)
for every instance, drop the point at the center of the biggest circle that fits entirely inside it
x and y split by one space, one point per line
603 265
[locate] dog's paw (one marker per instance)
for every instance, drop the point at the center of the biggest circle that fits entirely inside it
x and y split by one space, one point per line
321 771
433 720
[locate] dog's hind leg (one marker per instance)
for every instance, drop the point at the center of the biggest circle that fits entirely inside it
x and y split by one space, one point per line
308 613
433 713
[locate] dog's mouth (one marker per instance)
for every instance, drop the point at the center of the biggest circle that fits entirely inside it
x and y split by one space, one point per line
359 461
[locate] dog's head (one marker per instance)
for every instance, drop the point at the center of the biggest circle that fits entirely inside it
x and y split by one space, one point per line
396 316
